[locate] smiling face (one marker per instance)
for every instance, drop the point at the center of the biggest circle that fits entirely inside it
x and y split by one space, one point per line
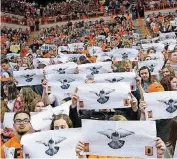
144 74
165 72
173 83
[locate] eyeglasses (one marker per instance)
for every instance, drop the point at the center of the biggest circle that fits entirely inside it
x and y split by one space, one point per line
59 127
19 121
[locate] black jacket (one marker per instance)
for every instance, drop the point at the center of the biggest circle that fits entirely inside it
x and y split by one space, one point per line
91 114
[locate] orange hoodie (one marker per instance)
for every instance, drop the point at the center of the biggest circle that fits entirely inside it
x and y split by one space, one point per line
12 143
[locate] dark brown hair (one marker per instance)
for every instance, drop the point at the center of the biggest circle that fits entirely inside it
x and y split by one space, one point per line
12 90
20 112
64 117
172 135
146 68
166 82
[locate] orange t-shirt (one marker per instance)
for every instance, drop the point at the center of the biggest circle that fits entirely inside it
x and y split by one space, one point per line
12 143
92 59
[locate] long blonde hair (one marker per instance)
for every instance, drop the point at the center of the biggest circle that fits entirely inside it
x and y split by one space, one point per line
29 99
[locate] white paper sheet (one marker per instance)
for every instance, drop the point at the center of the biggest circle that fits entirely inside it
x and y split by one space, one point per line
153 65
123 54
63 85
42 120
71 57
103 96
95 68
62 48
46 61
52 144
157 46
28 77
119 138
128 77
74 46
164 36
9 55
175 153
94 50
161 105
66 68
156 57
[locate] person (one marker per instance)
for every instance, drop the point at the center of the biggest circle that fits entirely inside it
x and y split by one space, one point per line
169 83
168 71
29 99
126 66
172 58
145 76
130 114
22 127
6 66
61 121
172 137
39 106
12 98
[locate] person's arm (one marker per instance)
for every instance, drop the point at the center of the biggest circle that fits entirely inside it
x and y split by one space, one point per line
73 113
139 85
142 106
79 148
161 148
45 97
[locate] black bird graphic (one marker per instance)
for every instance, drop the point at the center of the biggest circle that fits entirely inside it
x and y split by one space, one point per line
171 103
114 80
116 135
125 56
94 69
167 36
61 70
73 59
93 51
65 83
151 67
28 77
52 145
103 98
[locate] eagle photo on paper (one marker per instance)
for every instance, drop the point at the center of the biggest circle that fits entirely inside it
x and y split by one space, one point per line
61 70
115 136
171 103
114 80
53 148
65 83
28 77
103 95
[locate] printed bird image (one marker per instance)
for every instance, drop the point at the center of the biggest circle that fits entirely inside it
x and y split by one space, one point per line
65 83
114 80
115 136
95 70
125 56
171 103
53 148
61 70
28 77
151 67
103 98
73 59
93 52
